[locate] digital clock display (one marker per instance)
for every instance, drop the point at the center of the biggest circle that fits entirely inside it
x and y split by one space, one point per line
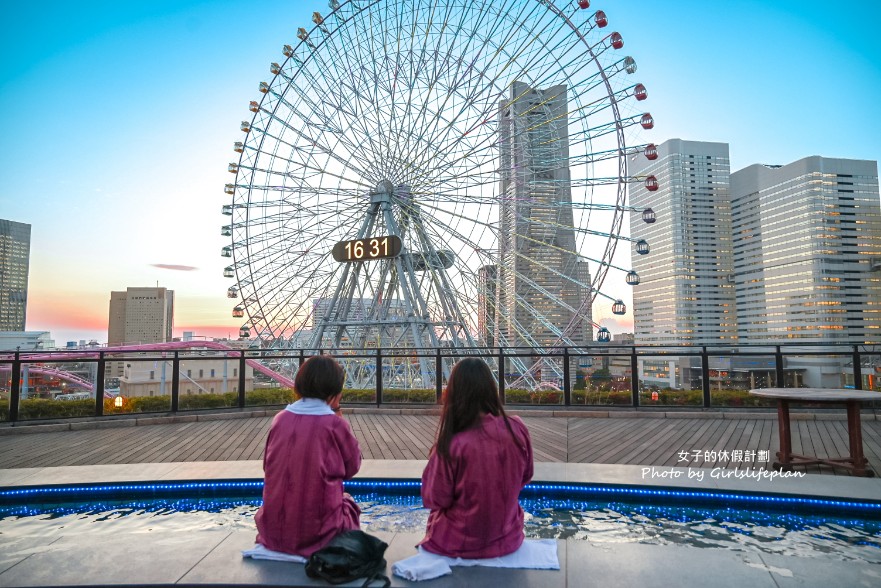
367 249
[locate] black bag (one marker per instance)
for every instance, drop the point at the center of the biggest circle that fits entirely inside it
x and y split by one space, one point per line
349 556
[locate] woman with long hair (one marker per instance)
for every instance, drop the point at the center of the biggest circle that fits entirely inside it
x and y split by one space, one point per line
481 460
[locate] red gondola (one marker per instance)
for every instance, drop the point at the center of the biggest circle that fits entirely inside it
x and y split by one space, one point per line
639 92
616 40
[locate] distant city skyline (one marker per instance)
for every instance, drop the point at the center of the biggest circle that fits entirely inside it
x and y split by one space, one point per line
120 121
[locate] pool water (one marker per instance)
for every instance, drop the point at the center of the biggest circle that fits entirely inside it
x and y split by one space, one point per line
597 521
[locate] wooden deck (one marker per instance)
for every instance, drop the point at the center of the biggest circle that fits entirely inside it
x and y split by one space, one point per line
637 441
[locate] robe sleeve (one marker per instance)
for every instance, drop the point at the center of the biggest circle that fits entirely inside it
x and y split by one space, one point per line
528 471
350 451
438 482
524 434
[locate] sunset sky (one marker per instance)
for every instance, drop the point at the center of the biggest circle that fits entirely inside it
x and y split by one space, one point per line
119 119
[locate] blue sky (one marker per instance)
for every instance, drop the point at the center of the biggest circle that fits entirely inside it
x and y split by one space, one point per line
119 119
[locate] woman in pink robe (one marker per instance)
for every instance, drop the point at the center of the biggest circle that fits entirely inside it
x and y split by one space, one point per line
309 452
479 464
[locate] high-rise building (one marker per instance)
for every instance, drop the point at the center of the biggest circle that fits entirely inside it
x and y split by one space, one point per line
686 290
15 250
139 315
807 251
487 278
540 283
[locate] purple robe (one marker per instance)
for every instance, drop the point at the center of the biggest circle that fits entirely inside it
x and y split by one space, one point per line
307 458
473 494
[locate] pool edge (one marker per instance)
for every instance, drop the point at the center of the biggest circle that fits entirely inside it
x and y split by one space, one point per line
649 477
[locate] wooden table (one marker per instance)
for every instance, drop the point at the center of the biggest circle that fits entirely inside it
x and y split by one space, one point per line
857 462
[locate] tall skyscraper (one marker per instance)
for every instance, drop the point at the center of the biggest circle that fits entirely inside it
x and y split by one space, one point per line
686 290
807 251
487 278
540 282
15 251
139 315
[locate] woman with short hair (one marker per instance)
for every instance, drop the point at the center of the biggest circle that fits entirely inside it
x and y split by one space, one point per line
309 452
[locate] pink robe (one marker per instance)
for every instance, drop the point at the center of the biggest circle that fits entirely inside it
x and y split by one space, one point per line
307 458
473 495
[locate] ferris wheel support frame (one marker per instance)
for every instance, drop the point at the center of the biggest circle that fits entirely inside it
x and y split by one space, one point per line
401 271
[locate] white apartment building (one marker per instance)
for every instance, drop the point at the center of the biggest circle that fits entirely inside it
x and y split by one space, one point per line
807 251
197 376
686 290
783 255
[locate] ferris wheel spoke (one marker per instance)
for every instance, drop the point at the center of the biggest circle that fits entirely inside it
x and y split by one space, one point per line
357 122
492 82
309 161
424 130
421 117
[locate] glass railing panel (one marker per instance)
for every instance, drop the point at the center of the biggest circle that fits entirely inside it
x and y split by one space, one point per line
409 378
269 376
360 367
603 379
208 380
534 379
670 380
5 389
56 389
143 381
733 375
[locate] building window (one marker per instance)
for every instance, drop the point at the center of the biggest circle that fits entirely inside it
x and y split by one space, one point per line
189 373
235 372
201 373
152 373
212 373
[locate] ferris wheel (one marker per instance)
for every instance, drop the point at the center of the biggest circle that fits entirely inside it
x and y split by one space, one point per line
424 173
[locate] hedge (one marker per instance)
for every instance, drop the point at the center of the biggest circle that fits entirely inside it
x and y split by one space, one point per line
41 408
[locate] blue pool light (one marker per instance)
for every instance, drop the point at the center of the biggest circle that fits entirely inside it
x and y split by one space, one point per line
255 486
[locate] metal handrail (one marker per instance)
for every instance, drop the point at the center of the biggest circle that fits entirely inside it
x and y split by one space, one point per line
17 361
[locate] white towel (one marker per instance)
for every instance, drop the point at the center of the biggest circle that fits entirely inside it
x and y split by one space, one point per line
260 552
534 554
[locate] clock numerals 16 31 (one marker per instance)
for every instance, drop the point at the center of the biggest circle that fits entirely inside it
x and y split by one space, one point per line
369 248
